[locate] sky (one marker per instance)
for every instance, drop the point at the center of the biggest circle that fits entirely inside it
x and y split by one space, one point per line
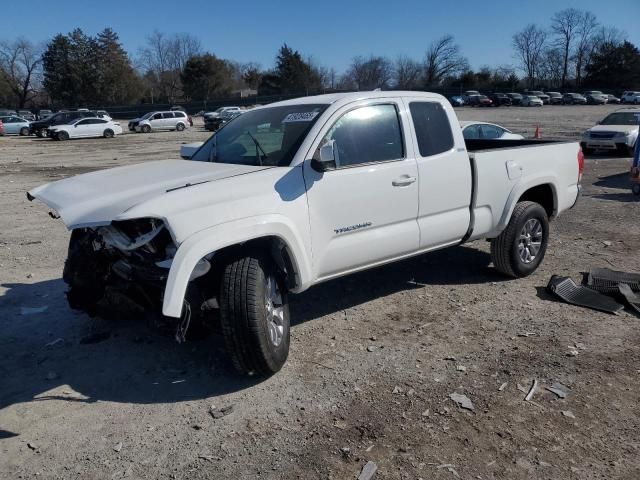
332 32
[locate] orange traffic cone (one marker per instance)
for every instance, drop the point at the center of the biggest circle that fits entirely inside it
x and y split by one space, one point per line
537 134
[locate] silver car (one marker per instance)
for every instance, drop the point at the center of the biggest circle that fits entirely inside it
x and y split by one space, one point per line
14 125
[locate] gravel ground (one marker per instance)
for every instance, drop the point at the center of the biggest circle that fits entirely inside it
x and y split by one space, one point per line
374 356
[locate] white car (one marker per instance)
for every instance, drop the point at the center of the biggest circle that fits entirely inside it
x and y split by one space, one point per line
531 101
167 120
618 131
630 97
472 130
86 128
296 193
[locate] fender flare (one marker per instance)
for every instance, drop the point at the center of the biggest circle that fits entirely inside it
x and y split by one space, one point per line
224 235
519 189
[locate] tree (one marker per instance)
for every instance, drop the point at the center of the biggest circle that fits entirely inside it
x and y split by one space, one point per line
20 67
368 74
293 75
564 25
615 65
205 77
443 59
584 42
408 73
551 67
118 82
529 45
164 58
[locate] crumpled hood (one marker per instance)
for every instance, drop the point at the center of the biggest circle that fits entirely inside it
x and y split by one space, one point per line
614 128
97 198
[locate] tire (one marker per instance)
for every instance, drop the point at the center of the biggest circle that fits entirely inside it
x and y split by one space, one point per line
635 189
180 127
511 251
108 133
257 342
62 135
24 132
146 129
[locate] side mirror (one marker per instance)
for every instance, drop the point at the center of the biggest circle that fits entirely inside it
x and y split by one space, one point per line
328 157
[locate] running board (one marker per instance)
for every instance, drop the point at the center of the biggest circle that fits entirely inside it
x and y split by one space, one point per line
566 289
605 280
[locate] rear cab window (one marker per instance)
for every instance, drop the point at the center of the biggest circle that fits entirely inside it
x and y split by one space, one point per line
432 128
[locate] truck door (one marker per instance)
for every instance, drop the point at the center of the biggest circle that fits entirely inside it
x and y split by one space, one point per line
363 211
444 172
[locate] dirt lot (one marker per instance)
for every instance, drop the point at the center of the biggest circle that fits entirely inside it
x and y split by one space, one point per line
373 358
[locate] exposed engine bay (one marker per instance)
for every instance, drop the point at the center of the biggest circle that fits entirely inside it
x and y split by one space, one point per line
122 269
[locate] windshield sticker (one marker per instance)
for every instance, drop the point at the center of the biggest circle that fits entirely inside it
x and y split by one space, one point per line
300 117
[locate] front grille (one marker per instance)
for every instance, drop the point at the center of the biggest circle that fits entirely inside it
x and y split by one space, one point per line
602 135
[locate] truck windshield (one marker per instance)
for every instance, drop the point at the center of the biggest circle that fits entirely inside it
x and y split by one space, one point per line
622 118
267 136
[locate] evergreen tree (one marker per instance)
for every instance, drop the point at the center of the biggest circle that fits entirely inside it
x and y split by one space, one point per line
614 66
205 77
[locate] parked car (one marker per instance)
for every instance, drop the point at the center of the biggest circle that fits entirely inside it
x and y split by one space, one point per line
221 110
596 97
103 114
234 228
15 125
555 98
516 98
44 113
168 120
27 115
541 95
41 127
86 128
456 101
531 101
574 99
617 131
213 124
472 130
631 97
500 99
613 99
479 101
7 113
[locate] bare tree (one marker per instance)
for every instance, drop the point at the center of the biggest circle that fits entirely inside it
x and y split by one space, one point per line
584 42
564 25
443 59
529 45
164 58
551 65
408 73
21 67
368 74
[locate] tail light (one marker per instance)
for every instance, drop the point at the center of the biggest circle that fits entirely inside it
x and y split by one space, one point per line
580 165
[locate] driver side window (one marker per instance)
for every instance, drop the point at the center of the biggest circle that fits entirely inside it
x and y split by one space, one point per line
366 134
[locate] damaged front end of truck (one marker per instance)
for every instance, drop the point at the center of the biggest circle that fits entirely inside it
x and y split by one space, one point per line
121 269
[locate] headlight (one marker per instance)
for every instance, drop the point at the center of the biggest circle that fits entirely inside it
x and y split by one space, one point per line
623 134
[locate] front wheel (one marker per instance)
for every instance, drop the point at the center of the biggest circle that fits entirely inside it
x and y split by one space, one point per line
520 248
41 133
146 129
254 314
62 135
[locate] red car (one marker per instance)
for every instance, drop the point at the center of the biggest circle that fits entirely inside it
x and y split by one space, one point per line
1 128
479 101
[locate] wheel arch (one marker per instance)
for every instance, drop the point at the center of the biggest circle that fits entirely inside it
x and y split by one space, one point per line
281 241
539 190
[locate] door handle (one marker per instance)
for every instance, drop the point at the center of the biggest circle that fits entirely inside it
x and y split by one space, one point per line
403 181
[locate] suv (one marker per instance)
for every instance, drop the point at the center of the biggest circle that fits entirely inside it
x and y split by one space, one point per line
618 131
631 97
574 99
167 120
41 127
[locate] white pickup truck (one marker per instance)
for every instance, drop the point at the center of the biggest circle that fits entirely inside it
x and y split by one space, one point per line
296 193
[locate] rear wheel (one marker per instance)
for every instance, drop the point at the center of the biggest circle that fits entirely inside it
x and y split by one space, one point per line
146 129
520 248
180 127
108 133
254 314
24 131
